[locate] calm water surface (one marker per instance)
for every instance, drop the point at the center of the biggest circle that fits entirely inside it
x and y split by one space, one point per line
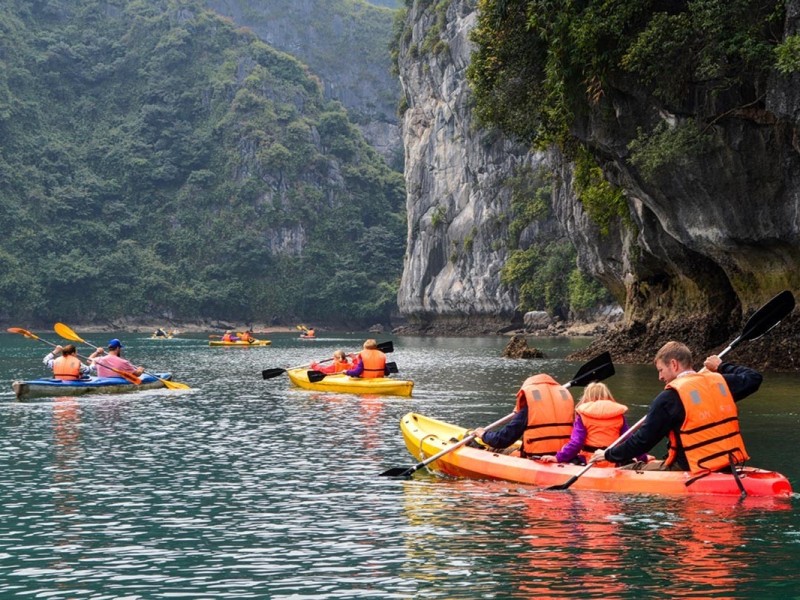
246 488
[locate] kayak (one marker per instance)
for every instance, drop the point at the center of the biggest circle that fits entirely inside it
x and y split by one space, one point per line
339 382
425 437
307 337
42 388
240 344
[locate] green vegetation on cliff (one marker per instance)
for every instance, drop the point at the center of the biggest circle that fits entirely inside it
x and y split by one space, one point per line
156 161
541 65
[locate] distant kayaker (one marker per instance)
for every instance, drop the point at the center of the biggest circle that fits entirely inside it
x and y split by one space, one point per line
370 362
65 364
114 360
543 419
340 363
229 336
599 420
696 412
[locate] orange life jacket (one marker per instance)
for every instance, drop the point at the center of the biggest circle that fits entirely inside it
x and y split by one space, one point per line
710 434
67 368
551 411
374 363
603 422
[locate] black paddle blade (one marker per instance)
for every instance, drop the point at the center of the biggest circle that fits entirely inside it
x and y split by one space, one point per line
599 368
270 373
391 367
386 347
565 485
767 317
315 376
403 472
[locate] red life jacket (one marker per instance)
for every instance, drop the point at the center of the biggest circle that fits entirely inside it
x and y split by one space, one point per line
710 434
67 368
550 415
603 422
374 363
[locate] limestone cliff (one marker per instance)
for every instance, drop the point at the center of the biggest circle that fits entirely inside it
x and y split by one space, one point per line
707 238
458 197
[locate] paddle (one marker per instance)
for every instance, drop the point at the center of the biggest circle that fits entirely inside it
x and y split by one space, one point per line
384 347
764 319
597 369
316 376
67 333
128 376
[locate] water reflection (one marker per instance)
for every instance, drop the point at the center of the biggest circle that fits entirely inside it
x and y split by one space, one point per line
543 544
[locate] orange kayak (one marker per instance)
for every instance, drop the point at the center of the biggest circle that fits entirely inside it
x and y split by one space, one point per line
425 437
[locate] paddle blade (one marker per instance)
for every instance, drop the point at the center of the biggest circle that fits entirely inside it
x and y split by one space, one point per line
24 332
399 472
316 376
599 368
67 333
129 377
173 385
270 373
386 347
767 317
391 367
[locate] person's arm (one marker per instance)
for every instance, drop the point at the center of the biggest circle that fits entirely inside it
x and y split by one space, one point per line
51 356
571 449
357 370
510 433
741 381
665 411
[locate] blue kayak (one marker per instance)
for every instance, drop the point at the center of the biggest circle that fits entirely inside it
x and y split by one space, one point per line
41 388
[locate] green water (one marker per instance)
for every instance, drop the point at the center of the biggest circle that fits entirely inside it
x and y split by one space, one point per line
246 488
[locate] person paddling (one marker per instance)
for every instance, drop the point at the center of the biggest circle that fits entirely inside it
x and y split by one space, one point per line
370 362
113 360
543 418
65 364
340 363
696 412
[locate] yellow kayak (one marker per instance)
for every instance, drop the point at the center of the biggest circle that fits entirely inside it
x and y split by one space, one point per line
339 382
240 344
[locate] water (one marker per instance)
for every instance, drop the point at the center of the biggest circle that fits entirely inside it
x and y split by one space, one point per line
246 488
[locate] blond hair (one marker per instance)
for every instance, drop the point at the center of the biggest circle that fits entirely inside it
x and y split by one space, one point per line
674 351
596 391
370 344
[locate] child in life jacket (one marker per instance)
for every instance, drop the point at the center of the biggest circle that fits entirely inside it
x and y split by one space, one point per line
340 363
599 421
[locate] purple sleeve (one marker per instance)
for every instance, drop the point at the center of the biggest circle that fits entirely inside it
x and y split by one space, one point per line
575 443
356 371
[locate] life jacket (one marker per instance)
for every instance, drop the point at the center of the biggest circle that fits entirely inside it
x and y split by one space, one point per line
603 422
227 337
67 368
710 434
374 363
551 411
339 366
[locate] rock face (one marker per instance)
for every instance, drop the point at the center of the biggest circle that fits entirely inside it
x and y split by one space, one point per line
458 195
716 236
705 244
352 61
